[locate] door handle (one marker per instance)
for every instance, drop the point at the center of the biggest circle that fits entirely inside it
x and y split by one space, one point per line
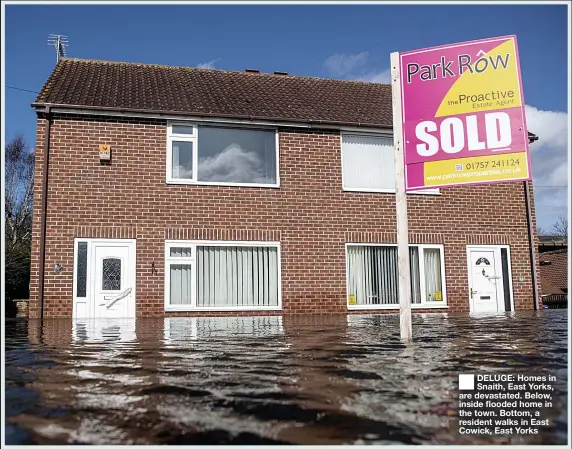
116 298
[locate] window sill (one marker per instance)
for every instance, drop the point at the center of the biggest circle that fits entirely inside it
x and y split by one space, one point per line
396 306
221 184
392 191
221 309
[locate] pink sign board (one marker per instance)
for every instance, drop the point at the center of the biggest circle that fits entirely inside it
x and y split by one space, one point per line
463 115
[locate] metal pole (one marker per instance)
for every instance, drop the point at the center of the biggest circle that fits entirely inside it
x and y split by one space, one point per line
403 267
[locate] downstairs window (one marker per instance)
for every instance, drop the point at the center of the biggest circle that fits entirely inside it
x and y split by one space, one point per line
225 275
373 279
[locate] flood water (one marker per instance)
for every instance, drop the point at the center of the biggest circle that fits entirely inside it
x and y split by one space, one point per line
264 380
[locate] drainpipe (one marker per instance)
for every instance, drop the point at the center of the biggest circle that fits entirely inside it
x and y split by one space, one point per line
44 208
531 245
531 138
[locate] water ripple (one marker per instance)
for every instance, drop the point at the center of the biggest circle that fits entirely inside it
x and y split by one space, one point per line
268 380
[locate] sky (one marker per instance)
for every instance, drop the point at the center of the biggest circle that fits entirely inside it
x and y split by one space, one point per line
331 41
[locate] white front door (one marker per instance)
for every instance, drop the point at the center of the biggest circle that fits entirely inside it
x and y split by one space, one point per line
104 284
486 284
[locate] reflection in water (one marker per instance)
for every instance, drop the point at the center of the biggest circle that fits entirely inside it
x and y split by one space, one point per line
249 380
103 330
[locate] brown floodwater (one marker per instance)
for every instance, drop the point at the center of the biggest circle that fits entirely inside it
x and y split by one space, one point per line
264 380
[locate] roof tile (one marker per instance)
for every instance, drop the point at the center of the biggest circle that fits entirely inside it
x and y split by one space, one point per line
554 277
193 91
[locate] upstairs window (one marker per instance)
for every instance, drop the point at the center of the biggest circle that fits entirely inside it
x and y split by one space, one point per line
368 164
222 156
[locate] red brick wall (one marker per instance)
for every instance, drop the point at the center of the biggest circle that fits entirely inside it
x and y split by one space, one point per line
309 214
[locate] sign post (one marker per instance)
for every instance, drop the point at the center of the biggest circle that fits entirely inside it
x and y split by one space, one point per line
403 267
458 119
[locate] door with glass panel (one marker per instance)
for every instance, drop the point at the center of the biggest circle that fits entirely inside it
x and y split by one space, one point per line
489 279
104 278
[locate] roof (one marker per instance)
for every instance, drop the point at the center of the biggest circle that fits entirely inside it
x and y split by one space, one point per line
554 277
552 239
205 92
550 243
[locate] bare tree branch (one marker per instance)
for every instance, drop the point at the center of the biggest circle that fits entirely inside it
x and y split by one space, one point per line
560 228
18 209
19 192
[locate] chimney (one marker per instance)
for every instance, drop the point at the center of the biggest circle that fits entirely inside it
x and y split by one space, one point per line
280 73
252 71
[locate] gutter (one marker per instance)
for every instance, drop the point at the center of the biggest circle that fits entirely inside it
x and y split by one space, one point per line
43 211
160 113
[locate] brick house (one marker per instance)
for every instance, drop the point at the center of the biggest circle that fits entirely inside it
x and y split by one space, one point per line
554 277
182 191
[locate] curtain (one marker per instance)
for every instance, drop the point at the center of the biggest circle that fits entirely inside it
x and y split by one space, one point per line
237 276
356 274
432 260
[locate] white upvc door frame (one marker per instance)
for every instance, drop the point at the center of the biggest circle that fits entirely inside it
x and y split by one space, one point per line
90 272
497 251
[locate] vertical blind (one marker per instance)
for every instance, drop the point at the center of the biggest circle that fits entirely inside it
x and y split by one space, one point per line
180 284
368 162
237 276
226 276
373 274
232 276
415 277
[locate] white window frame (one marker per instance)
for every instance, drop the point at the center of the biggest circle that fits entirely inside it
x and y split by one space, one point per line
171 137
433 191
424 304
192 261
194 139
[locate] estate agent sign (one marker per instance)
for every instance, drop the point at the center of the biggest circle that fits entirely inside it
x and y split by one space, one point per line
463 115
